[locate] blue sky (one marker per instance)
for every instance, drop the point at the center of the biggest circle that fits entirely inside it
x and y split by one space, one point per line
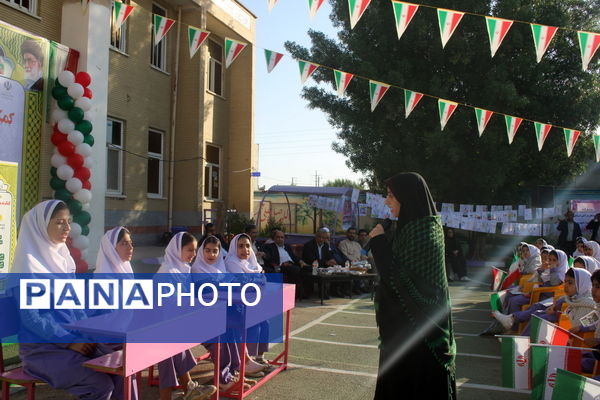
294 140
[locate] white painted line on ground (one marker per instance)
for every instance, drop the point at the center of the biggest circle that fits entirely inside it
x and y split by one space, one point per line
348 326
479 356
333 370
471 320
323 317
471 309
366 346
466 334
358 312
489 387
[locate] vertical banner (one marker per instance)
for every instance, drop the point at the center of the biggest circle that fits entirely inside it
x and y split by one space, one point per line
8 213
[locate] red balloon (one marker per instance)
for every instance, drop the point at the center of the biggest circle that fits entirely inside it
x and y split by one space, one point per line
87 93
66 148
87 185
75 253
55 129
81 266
83 174
57 138
83 78
75 161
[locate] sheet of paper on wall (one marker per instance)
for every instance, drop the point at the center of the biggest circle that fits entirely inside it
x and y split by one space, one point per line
522 208
466 208
491 226
558 210
512 216
528 215
481 208
549 212
362 209
467 224
538 213
447 207
497 208
506 229
508 208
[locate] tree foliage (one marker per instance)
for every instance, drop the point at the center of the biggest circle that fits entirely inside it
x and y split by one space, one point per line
344 182
458 165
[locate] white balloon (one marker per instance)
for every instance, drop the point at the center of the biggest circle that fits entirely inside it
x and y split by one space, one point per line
88 162
64 172
74 185
75 230
65 125
58 114
81 242
84 196
75 137
57 160
75 90
88 115
84 149
84 103
86 207
66 78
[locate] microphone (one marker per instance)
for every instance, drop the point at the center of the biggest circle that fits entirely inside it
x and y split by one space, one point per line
386 224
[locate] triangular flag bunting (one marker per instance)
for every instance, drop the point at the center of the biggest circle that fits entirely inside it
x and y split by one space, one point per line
271 4
233 48
195 39
541 133
306 70
569 385
342 80
376 92
357 9
120 13
571 137
448 21
411 99
597 147
483 117
512 125
446 109
497 29
161 27
542 36
515 362
403 13
588 43
313 7
272 58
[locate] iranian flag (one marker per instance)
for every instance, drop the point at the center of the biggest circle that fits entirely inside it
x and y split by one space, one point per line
512 125
196 37
497 299
120 14
272 58
271 4
313 7
342 80
233 48
448 21
541 133
597 146
545 360
544 332
498 277
403 14
357 9
306 70
571 261
483 117
569 385
376 92
571 137
542 36
497 29
588 43
161 26
411 99
515 362
446 109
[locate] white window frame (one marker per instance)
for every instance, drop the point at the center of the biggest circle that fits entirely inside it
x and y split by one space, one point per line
32 9
210 171
163 45
119 150
211 74
159 157
122 48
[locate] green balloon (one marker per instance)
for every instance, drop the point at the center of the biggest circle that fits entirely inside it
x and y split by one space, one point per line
53 172
65 102
85 230
74 206
76 114
59 91
89 139
57 183
83 218
62 194
84 127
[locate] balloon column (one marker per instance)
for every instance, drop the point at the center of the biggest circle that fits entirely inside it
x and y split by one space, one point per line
71 161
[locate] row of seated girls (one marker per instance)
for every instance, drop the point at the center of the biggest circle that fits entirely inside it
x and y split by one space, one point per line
41 248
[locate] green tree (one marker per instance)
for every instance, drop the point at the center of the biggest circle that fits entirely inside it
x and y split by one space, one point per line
458 165
343 182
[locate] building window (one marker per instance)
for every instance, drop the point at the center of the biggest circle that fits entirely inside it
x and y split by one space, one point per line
158 53
118 38
215 67
28 6
155 167
114 156
212 172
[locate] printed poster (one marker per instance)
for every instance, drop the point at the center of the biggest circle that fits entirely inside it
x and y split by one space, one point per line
9 176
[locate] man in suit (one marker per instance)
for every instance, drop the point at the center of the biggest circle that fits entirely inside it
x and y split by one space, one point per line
569 231
318 249
280 257
593 226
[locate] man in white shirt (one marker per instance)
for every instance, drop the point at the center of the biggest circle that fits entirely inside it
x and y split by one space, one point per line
350 247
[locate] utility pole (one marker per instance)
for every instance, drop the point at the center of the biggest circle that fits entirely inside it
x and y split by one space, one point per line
316 179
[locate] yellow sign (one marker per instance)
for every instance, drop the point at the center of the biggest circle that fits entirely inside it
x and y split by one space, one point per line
9 173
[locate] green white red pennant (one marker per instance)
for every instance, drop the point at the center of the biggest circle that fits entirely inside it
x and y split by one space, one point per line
357 9
120 14
571 137
541 133
313 7
497 29
512 125
195 39
542 36
342 80
448 21
161 27
271 4
306 70
272 58
233 48
597 146
446 109
483 117
588 43
411 99
403 14
376 92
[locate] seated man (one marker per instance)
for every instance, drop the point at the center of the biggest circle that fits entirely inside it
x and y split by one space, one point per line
350 247
317 249
281 258
252 231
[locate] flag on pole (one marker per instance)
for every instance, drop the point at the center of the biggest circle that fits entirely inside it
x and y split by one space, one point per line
542 36
357 9
483 117
588 43
313 7
376 92
497 299
271 4
196 37
411 99
544 332
571 261
597 146
569 385
514 274
446 109
120 14
233 48
306 70
448 21
272 58
342 80
512 125
515 362
541 133
497 29
84 3
403 14
162 25
571 137
545 360
498 277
